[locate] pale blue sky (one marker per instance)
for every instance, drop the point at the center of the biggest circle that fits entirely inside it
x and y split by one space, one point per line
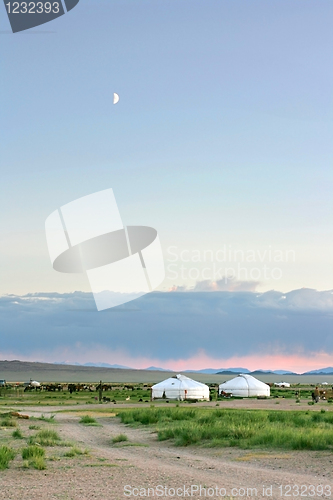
223 132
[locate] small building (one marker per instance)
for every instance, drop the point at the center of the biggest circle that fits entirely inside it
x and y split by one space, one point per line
245 386
31 383
180 388
281 384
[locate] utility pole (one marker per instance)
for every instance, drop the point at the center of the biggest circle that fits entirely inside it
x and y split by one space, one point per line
100 391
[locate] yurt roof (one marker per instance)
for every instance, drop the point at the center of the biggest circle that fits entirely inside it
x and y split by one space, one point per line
243 380
180 380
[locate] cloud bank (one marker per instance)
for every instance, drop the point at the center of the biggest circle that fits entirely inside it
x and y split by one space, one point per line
225 284
168 326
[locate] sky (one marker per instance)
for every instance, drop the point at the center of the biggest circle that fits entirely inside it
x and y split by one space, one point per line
221 140
173 330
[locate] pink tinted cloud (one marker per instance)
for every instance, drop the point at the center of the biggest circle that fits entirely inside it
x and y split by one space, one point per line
298 363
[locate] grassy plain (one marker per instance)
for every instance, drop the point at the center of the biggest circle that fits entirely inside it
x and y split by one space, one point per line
211 424
71 445
292 430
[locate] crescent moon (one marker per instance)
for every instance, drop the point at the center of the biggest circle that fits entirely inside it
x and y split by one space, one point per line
115 98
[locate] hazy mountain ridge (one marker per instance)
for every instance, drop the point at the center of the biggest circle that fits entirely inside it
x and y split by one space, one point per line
211 371
321 371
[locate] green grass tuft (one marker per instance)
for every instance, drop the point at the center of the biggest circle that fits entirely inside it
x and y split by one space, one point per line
120 438
6 455
50 419
38 463
74 451
34 456
17 434
8 422
88 420
45 437
32 451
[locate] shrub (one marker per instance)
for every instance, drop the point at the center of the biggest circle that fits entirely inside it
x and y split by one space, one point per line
17 434
38 463
73 452
50 419
120 438
32 451
8 422
45 437
6 455
87 420
34 455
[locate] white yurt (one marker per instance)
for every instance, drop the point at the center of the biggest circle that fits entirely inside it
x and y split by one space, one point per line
180 387
281 384
34 383
245 386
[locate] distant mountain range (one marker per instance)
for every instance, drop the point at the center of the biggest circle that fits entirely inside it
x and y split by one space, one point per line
98 365
321 371
210 371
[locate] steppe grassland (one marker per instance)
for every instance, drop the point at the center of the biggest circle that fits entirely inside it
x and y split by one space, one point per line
288 430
